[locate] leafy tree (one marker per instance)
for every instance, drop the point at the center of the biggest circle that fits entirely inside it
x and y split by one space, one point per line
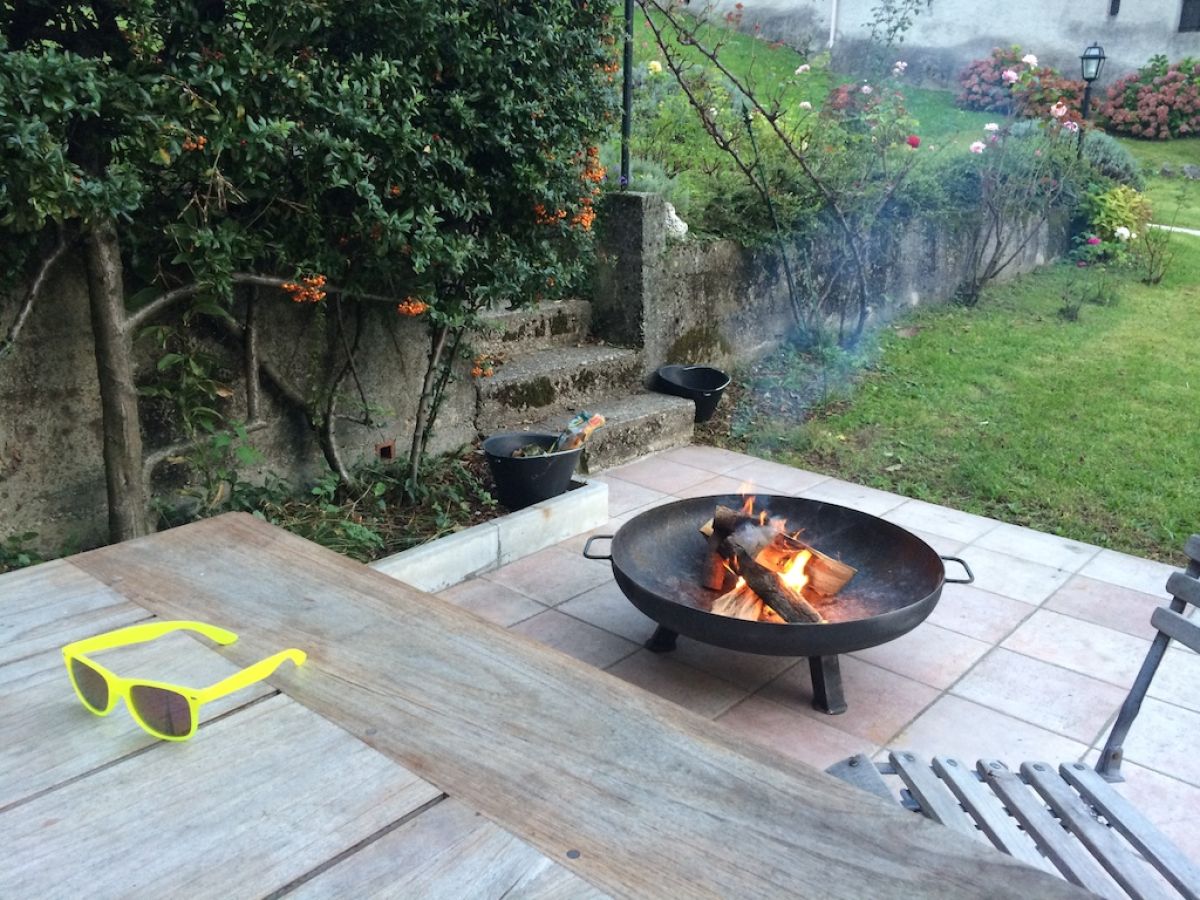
430 155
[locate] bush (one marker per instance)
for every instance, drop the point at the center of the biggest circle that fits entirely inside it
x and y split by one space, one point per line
1161 100
1111 159
1119 208
1036 89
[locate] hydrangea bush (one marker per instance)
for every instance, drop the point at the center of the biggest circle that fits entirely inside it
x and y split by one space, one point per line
1161 100
1011 82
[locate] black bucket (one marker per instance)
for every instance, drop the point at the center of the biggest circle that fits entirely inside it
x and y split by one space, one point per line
522 481
701 384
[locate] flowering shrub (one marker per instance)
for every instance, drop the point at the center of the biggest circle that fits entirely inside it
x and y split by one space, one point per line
1006 82
1161 100
1118 213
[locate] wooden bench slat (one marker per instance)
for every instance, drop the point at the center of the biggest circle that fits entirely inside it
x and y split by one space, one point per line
1060 848
1136 828
1125 868
991 816
859 771
936 801
1176 626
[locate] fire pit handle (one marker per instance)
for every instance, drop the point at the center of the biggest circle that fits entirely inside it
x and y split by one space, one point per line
962 562
597 537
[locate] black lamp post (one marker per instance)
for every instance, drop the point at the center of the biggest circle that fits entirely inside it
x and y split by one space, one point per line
627 94
1091 62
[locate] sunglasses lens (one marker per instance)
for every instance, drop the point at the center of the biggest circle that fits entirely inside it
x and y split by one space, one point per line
92 685
166 712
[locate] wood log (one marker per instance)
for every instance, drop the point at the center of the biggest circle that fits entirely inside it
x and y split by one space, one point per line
790 605
826 575
739 603
718 576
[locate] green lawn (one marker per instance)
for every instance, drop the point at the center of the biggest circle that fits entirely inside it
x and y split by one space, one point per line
1176 200
1080 428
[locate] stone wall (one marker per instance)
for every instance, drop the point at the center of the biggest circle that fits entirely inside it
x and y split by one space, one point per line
954 32
717 303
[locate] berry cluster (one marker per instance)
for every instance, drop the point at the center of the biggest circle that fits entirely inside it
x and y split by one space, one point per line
307 292
411 306
195 143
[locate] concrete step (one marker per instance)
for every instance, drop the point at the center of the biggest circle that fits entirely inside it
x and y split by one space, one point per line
552 383
635 424
561 324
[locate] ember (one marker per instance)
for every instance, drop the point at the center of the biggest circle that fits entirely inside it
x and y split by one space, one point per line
765 573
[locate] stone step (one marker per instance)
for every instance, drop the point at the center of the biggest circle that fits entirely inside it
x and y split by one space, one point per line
561 324
634 425
551 383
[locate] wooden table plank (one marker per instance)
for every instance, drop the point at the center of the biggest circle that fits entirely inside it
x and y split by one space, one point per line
448 851
253 802
46 606
47 737
637 795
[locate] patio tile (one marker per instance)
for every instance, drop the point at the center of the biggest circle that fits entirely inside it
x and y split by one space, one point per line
551 576
672 680
624 496
1132 572
1036 546
606 607
809 740
776 477
660 474
957 727
1169 804
1083 647
1009 576
722 484
879 703
713 459
1178 679
943 546
576 544
929 654
749 671
856 496
1164 738
578 639
917 515
1046 695
977 613
1106 604
493 602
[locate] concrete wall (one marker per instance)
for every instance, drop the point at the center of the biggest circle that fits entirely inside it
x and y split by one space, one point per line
955 32
720 304
51 470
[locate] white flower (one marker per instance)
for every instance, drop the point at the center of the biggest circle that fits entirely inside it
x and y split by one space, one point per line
804 104
1133 235
803 69
898 68
654 67
866 89
1029 59
977 147
712 112
991 126
1122 233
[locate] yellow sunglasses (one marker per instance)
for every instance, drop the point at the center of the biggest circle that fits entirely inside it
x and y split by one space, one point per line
167 711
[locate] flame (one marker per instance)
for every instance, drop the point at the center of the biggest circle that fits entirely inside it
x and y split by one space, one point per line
794 576
748 504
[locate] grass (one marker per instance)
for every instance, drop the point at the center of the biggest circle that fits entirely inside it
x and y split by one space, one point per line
1176 201
1078 428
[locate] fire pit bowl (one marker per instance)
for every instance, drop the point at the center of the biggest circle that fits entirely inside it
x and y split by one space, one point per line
659 560
701 384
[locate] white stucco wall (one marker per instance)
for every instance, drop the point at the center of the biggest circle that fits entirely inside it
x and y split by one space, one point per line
954 32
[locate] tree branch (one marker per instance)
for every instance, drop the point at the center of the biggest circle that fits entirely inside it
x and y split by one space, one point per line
31 295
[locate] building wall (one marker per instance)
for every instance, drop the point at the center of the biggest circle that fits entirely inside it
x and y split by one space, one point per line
954 32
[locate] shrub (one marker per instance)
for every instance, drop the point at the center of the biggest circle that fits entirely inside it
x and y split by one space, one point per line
1036 89
1118 208
1111 159
1161 100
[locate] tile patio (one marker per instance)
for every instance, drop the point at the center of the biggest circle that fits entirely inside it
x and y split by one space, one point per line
1030 662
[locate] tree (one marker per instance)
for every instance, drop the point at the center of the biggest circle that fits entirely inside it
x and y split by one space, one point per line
367 151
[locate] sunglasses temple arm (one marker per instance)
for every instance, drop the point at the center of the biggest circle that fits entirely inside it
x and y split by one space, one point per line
250 675
148 631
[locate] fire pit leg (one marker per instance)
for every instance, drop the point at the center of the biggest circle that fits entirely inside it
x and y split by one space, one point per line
662 641
827 684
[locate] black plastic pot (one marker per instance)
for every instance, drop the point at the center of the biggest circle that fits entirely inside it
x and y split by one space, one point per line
522 481
701 384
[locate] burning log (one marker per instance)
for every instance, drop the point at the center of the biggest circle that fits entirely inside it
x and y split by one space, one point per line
718 577
826 575
770 587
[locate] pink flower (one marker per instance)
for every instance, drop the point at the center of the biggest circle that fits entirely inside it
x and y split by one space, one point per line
1058 110
991 126
1029 59
977 147
1009 76
1093 240
1071 126
866 89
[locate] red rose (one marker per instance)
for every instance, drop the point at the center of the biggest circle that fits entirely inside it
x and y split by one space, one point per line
913 141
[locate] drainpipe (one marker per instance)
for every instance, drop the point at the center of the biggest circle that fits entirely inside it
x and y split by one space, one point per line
833 22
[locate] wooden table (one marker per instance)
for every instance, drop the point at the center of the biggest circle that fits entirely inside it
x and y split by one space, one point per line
420 752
